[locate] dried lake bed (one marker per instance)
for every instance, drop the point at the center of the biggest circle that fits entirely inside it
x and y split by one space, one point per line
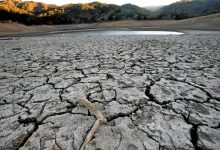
156 91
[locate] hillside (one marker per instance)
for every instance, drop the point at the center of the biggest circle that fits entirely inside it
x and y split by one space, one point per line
39 13
130 11
36 13
190 8
210 22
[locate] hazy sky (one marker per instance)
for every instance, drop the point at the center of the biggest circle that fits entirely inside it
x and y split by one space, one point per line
140 3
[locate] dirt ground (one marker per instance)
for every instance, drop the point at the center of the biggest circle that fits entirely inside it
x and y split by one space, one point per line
156 92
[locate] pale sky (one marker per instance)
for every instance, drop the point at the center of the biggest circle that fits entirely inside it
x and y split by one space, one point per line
140 3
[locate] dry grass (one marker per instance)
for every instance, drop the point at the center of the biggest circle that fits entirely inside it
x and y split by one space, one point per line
211 22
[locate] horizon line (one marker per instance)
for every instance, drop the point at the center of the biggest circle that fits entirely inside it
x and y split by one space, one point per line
38 1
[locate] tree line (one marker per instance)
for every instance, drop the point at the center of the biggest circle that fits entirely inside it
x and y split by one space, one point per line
39 13
30 13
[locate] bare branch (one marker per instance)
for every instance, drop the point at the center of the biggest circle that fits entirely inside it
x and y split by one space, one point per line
100 120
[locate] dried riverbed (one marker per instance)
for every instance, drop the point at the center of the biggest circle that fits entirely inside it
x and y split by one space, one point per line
157 92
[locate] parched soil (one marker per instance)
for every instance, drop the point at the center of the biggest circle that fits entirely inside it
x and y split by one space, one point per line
157 92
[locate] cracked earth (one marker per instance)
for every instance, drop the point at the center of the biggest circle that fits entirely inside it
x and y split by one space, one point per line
157 92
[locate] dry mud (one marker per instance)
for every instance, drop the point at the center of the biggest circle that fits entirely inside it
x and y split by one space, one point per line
157 92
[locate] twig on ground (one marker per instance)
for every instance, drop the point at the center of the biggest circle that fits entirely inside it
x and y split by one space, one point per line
100 120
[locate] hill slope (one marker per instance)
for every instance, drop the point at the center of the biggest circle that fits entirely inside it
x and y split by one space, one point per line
31 13
39 13
210 22
190 8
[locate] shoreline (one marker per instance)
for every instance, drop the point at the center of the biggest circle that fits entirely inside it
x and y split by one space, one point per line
84 30
205 23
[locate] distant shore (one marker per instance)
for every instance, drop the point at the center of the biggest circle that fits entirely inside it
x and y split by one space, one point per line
211 22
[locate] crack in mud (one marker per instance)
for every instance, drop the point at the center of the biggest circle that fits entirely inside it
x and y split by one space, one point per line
156 92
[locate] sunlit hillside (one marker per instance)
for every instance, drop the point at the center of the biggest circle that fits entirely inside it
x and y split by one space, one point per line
40 13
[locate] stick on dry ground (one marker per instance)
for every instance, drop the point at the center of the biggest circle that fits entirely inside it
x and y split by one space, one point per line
100 120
